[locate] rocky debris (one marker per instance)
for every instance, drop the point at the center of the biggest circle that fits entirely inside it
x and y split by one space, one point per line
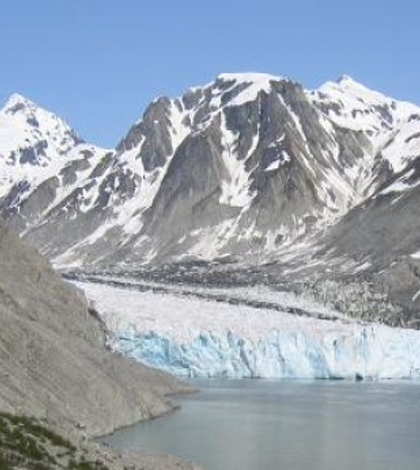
356 298
389 297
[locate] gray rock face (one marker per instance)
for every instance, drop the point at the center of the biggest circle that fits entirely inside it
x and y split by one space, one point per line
153 132
53 360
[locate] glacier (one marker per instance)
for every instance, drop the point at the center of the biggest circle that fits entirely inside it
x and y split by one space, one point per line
373 352
198 337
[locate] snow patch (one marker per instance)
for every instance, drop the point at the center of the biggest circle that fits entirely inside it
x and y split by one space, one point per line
235 186
256 83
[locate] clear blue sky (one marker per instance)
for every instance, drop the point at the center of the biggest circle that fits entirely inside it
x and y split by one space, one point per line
98 63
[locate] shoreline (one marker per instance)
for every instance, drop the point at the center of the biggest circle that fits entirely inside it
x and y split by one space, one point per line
146 461
174 408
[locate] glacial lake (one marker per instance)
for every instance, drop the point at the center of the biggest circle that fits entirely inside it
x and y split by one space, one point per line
288 425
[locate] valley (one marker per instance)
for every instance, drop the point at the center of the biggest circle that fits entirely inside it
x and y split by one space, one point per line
249 228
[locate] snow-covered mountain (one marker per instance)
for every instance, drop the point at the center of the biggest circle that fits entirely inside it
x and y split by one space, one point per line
42 161
31 138
248 168
391 126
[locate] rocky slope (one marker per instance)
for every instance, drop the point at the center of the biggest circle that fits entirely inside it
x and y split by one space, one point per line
53 361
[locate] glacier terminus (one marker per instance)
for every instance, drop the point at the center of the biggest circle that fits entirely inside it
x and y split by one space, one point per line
202 337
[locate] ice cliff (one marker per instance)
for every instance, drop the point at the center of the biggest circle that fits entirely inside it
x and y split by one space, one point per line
368 352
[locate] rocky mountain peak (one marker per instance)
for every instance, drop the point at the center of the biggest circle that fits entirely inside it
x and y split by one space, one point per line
346 79
24 124
258 79
25 117
17 102
37 147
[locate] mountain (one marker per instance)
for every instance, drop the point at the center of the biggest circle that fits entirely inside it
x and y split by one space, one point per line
41 160
53 361
248 170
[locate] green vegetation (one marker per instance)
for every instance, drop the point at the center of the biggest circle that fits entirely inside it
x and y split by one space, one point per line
26 444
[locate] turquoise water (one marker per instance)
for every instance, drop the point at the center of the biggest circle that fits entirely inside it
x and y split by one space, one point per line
293 425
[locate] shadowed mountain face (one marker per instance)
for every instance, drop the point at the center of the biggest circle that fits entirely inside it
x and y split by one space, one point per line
53 360
250 167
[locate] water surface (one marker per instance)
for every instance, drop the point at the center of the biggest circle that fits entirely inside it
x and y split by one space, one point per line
288 425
